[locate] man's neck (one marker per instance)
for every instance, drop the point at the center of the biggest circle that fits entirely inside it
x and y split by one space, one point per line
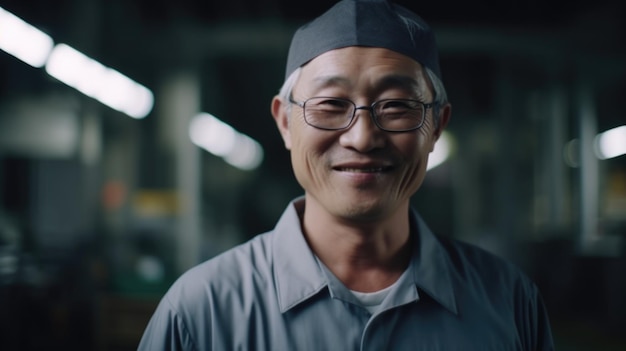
365 256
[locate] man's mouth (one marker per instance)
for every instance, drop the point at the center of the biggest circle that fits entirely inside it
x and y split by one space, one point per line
362 170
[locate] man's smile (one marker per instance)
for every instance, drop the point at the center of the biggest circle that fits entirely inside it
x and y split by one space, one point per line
362 170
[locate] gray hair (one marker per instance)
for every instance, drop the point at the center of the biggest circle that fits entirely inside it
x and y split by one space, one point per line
440 97
287 88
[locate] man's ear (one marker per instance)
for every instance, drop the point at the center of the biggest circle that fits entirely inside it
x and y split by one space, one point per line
445 112
282 120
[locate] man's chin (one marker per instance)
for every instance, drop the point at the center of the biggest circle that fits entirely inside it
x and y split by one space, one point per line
364 211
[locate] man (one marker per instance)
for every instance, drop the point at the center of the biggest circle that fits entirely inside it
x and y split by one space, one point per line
350 266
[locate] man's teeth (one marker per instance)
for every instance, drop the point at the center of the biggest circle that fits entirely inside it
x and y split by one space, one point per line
363 170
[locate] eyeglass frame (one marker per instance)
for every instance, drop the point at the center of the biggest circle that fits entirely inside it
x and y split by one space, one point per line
369 108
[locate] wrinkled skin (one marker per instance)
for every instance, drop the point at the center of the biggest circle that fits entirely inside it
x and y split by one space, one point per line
361 174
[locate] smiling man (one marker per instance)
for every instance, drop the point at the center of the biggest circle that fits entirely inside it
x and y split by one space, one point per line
350 266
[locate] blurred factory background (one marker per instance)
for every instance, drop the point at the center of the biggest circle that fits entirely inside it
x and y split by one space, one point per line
106 199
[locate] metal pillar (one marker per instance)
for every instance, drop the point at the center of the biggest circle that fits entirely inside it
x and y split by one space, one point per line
180 101
589 171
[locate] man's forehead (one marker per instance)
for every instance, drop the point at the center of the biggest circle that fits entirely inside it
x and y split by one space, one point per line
382 81
340 82
342 66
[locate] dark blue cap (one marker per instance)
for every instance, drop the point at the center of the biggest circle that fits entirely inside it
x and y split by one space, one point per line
371 23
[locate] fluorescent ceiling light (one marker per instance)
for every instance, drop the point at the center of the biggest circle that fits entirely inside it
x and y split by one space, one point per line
23 41
442 151
220 139
247 155
102 83
611 143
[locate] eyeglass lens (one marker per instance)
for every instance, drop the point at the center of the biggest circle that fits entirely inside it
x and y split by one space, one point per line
392 115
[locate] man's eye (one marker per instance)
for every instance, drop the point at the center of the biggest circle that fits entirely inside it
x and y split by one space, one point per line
329 104
396 105
334 103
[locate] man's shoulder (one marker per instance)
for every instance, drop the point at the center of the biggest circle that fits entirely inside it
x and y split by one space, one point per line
251 253
472 261
251 260
462 251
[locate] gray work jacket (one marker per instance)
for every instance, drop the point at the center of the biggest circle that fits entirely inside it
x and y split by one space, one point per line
271 293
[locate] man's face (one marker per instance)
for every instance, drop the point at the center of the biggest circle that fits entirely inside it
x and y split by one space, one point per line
361 173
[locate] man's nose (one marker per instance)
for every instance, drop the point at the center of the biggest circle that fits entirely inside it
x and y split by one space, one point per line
363 134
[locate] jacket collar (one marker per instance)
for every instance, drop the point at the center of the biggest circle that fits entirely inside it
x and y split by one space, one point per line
431 265
299 276
296 271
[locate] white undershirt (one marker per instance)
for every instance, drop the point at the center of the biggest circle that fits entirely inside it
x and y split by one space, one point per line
372 300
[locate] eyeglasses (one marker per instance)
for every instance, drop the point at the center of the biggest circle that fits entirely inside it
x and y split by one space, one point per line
391 115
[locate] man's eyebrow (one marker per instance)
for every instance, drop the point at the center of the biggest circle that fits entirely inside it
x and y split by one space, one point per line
330 80
399 81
